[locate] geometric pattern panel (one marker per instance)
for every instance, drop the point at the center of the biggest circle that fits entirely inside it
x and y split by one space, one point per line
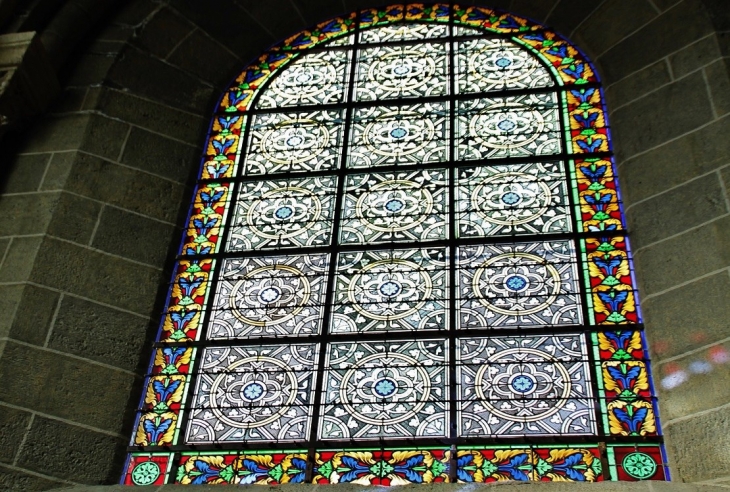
385 390
513 199
253 394
523 386
277 295
404 32
518 285
391 290
391 207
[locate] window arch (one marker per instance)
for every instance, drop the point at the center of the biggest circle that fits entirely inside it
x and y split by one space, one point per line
405 262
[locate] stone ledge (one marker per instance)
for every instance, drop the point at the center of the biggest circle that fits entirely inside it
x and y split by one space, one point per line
503 487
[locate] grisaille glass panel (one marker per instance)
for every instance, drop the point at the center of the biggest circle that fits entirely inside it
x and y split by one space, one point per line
405 262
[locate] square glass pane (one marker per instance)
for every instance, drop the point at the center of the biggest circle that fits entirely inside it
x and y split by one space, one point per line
518 285
392 290
391 207
295 142
399 135
513 199
395 72
253 394
283 213
497 64
404 32
269 296
385 390
518 386
515 126
315 78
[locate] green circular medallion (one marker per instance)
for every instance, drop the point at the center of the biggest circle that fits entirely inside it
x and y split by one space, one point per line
145 473
639 465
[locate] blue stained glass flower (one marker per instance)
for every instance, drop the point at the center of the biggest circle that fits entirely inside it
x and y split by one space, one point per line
402 70
390 289
269 295
523 383
516 283
503 62
506 125
394 206
294 141
511 198
253 391
398 133
283 212
385 387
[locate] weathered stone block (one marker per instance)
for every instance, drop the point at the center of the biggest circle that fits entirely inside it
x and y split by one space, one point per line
280 26
685 257
96 276
65 387
643 124
74 218
160 156
13 424
24 173
537 11
135 237
694 56
677 210
19 259
99 333
118 185
15 480
638 84
674 163
699 445
32 314
57 133
199 54
664 35
688 317
70 100
718 78
163 32
70 452
90 69
568 14
315 12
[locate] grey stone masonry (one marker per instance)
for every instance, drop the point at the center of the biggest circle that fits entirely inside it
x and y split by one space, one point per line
94 194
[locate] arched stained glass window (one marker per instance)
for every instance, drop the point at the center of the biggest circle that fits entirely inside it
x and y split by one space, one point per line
406 262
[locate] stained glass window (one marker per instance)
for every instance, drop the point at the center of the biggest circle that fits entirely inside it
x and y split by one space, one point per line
405 262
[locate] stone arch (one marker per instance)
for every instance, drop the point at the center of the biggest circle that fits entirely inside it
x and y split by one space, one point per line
108 167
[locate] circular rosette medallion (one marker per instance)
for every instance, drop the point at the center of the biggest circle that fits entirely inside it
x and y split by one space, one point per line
284 213
390 289
294 141
525 384
270 295
506 125
398 133
308 79
511 198
253 392
385 389
145 473
504 65
516 284
396 205
640 466
402 71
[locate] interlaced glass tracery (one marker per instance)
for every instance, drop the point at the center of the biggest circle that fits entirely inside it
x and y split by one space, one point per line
406 262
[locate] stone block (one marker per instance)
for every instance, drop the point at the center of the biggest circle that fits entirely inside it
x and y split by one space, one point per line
675 162
123 187
65 387
13 424
680 379
158 118
13 480
24 173
32 313
105 137
70 452
74 218
160 156
643 124
150 77
99 333
694 56
97 276
698 446
677 210
55 133
718 78
683 258
319 11
89 69
135 12
280 26
674 29
537 11
638 84
58 170
688 317
10 296
611 22
568 14
135 237
19 259
70 100
200 55
719 13
163 32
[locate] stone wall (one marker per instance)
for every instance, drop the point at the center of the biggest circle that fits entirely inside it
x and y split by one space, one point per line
94 192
